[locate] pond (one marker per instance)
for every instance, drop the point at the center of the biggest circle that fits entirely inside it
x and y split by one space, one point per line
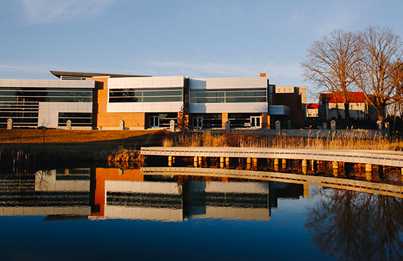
108 213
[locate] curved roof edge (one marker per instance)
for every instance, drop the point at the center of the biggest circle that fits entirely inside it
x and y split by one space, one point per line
59 74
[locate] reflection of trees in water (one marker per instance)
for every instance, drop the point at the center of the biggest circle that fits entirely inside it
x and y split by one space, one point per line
352 225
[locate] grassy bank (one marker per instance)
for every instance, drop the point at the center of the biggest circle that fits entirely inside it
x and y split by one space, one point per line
207 139
33 147
55 136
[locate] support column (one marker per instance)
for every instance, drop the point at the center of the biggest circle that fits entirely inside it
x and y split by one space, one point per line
9 124
169 161
306 191
221 162
304 166
284 164
227 162
265 124
347 169
381 172
313 166
195 162
368 171
335 168
276 165
255 163
224 118
200 161
248 163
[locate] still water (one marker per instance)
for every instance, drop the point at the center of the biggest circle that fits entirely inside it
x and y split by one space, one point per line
107 213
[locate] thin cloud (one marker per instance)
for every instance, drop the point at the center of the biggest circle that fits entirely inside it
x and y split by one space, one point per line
203 70
50 11
342 14
288 74
12 68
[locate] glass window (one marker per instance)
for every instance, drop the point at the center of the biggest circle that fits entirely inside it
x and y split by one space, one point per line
79 119
146 95
228 95
46 94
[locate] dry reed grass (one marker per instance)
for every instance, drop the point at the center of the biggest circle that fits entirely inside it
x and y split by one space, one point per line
208 139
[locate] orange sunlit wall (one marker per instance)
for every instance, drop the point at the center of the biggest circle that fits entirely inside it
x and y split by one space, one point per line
102 175
105 120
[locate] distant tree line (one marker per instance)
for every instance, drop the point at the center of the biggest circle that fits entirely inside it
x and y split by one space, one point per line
369 61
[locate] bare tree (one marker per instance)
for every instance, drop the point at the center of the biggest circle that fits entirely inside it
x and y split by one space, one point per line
328 64
380 66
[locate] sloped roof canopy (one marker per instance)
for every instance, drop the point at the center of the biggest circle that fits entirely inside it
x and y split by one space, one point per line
59 74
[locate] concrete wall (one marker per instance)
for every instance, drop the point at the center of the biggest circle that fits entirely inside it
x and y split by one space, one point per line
228 83
49 111
244 107
105 120
48 114
145 82
46 83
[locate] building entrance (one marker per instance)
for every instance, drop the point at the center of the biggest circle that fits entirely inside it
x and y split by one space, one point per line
255 122
154 121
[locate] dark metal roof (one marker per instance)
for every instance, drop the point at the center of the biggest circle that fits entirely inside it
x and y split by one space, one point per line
58 74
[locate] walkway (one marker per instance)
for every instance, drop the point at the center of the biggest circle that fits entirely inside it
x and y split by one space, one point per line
375 157
338 183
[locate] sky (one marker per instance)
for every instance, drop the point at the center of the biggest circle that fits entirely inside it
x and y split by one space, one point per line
200 39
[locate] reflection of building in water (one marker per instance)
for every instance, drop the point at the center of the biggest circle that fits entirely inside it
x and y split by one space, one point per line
229 200
152 197
51 193
129 196
286 190
106 193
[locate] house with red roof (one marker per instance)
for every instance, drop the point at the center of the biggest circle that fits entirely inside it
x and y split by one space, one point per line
312 110
331 106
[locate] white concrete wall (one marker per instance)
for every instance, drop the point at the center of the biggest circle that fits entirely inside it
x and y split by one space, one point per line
244 107
46 181
230 187
144 107
145 82
235 213
142 187
228 83
49 111
143 213
45 211
47 83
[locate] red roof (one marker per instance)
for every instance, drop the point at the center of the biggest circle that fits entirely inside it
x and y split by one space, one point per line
311 105
357 97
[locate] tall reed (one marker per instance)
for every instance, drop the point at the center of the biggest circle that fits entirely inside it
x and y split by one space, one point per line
208 139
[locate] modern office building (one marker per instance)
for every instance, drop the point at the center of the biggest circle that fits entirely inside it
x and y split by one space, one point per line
115 101
34 103
294 100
